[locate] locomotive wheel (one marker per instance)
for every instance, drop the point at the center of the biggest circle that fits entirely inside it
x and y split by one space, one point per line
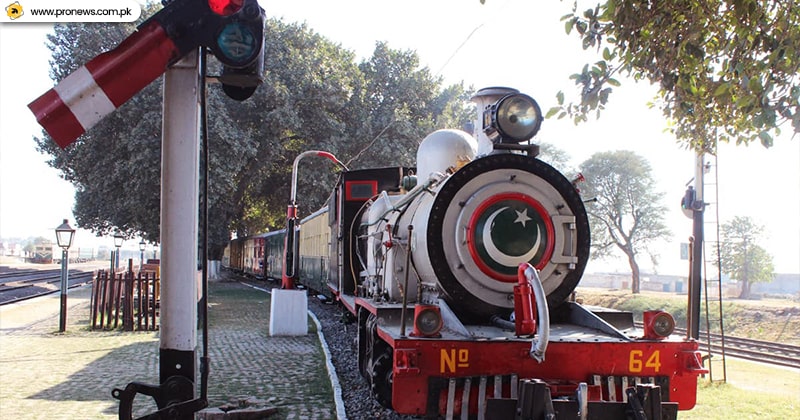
366 343
381 376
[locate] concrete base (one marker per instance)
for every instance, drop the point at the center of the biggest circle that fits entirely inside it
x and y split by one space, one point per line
288 314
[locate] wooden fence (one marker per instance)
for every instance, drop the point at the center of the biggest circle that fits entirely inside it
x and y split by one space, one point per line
127 297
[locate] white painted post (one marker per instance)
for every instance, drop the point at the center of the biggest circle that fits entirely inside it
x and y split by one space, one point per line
180 163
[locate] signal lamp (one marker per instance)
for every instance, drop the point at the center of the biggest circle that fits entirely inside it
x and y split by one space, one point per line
512 119
238 43
658 324
237 40
241 83
427 321
225 7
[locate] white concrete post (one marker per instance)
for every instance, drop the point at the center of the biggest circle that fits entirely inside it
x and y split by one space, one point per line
180 163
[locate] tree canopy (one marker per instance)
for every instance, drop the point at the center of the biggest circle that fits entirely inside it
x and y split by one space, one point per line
741 255
726 69
625 213
315 96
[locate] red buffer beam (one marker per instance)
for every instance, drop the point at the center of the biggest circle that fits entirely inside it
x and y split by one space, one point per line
103 84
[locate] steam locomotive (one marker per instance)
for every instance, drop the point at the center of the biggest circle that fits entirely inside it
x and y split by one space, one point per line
460 274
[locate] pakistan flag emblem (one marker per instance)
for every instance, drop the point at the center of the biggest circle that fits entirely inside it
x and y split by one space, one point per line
507 230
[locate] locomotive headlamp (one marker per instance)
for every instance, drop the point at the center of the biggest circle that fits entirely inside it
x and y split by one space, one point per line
427 321
658 324
512 119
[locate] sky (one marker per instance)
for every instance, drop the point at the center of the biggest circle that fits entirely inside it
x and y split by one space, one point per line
513 43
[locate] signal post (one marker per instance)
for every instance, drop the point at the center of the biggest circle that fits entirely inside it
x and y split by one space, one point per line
180 168
167 42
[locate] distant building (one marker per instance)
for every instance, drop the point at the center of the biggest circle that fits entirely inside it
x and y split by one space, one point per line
9 249
782 284
622 281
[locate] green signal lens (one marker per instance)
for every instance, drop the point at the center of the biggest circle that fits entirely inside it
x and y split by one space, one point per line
237 43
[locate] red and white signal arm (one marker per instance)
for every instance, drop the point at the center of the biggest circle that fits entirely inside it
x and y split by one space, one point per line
103 84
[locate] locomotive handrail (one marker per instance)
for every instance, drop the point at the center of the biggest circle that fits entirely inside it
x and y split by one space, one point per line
539 344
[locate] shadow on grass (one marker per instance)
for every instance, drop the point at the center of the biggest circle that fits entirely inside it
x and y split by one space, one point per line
136 362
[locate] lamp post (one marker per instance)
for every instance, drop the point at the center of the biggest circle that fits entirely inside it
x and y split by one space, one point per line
142 245
118 238
64 236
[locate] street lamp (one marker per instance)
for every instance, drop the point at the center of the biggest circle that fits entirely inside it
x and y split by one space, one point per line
118 238
64 236
142 245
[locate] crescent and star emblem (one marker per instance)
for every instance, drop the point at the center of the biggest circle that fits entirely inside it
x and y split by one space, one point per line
500 256
506 230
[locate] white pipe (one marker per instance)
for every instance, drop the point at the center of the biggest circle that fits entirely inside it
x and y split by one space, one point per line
293 198
539 344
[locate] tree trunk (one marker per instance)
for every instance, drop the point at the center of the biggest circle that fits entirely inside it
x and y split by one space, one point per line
213 269
745 292
634 273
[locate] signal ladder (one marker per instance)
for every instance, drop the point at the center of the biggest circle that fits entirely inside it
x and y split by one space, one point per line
712 273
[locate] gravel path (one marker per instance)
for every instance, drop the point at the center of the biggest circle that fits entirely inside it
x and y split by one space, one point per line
340 335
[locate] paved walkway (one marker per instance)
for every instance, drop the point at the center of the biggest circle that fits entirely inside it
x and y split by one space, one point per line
49 375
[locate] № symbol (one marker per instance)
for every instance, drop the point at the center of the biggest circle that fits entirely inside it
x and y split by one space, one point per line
14 10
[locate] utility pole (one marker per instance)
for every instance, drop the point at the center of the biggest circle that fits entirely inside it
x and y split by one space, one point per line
693 206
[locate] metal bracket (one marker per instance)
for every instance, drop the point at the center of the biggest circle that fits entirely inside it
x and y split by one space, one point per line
174 399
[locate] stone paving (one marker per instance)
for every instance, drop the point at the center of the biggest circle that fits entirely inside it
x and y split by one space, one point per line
45 374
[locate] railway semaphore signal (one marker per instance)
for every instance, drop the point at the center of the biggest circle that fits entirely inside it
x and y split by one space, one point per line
167 43
232 29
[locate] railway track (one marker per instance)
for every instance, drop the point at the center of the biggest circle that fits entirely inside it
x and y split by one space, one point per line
755 350
748 349
19 285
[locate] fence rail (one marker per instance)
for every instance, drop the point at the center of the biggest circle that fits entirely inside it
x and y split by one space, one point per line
127 297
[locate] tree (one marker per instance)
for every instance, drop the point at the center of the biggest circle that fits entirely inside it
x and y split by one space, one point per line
741 256
625 211
726 69
109 195
555 157
315 96
400 104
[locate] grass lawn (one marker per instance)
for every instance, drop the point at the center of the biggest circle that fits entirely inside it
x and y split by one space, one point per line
752 391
